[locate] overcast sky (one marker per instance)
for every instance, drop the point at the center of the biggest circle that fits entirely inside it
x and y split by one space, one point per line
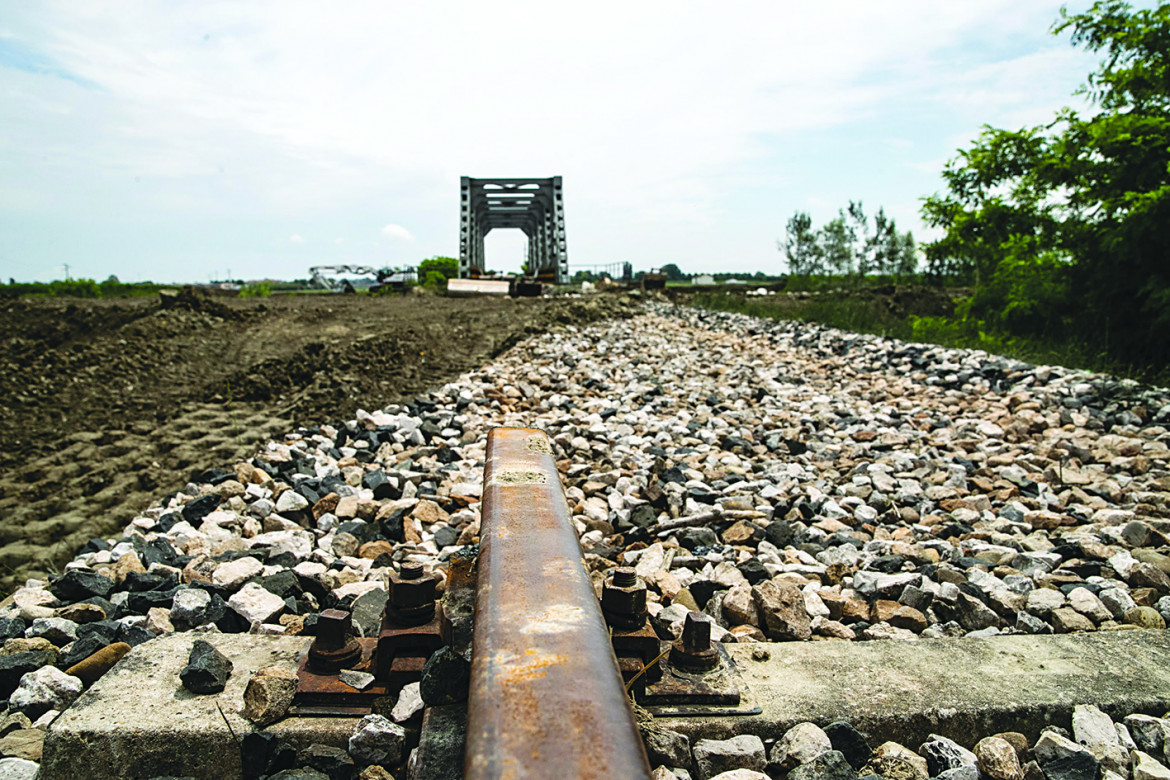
180 141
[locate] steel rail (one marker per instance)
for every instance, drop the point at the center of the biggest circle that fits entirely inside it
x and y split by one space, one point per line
546 696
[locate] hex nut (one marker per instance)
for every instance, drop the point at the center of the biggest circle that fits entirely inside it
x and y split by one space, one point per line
623 599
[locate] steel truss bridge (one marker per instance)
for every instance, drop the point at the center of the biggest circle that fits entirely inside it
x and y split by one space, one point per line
536 206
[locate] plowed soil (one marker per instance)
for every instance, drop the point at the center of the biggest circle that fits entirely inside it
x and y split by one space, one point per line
107 404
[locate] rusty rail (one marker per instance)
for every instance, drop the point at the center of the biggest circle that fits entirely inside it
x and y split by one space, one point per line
546 695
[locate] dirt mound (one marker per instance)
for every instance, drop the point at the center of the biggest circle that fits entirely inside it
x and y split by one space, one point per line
108 404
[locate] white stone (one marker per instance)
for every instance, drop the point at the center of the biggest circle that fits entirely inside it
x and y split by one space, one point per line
312 569
18 769
33 597
255 604
799 745
232 574
189 607
298 542
377 740
291 501
728 574
713 756
650 561
356 679
1083 601
1146 767
48 688
1051 746
1091 726
1041 601
409 703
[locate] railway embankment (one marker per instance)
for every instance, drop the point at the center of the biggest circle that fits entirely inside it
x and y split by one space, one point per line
793 482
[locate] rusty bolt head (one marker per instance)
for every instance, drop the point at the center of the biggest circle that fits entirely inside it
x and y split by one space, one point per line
410 588
333 626
411 597
623 599
693 650
696 633
334 647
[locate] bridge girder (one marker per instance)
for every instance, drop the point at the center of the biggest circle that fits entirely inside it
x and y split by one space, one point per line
535 206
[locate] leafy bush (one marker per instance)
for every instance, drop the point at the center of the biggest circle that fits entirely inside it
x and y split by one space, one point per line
257 290
76 288
435 281
447 266
1065 227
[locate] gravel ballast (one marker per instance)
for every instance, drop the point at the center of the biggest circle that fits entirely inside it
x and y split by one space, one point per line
794 482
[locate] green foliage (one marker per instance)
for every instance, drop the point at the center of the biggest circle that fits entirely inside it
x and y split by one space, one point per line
447 267
78 288
1065 228
860 315
435 281
256 290
848 246
801 247
673 273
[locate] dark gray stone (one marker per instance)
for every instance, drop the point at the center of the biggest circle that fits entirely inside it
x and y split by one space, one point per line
333 762
664 746
78 584
199 508
827 766
367 611
1075 766
445 678
942 754
262 754
207 669
303 773
850 743
17 665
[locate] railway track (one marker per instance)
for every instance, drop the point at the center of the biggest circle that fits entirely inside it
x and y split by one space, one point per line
554 671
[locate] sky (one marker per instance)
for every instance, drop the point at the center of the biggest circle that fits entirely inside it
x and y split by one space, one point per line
186 141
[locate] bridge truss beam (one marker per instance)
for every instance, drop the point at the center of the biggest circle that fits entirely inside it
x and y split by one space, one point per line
536 206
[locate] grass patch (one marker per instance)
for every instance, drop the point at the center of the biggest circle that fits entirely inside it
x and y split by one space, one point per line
876 315
860 315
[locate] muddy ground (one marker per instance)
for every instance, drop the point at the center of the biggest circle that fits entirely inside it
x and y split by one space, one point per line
108 404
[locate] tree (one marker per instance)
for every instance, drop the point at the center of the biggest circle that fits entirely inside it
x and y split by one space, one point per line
863 249
1065 228
673 273
904 261
835 240
800 246
447 267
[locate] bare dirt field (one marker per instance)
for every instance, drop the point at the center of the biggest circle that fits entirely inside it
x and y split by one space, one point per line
107 404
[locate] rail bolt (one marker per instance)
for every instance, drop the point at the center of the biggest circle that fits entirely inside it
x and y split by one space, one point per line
623 599
693 651
411 598
334 647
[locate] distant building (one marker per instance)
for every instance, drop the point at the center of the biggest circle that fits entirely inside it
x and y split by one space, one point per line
703 279
734 281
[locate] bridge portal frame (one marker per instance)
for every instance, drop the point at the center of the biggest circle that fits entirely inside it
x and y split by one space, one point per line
535 206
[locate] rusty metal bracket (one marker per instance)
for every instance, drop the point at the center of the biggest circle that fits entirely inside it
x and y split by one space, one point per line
324 694
680 691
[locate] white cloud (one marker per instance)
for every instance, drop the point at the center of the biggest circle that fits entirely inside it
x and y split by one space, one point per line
662 124
397 231
296 238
